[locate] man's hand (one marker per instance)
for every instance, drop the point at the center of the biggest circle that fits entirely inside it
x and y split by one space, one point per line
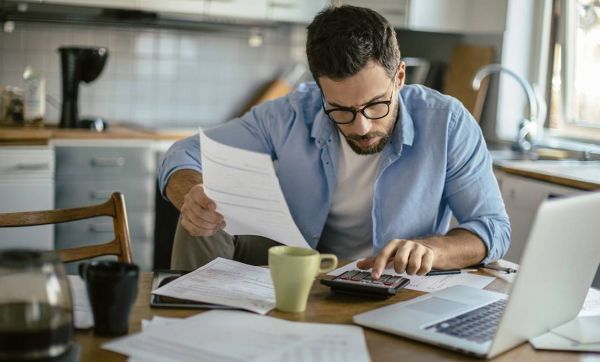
198 213
407 256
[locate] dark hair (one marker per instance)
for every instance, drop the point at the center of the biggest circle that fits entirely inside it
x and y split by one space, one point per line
341 40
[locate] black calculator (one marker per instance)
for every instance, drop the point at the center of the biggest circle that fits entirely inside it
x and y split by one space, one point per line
359 282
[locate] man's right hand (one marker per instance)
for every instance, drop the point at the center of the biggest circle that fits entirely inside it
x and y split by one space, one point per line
198 213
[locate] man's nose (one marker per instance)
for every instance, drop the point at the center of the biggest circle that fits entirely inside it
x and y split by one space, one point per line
361 125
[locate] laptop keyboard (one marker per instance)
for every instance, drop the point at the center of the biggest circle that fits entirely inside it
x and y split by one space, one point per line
477 325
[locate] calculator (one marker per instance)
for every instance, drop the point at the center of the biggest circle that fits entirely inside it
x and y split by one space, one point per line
359 282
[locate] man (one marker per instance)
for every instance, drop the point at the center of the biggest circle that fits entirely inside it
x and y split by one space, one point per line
370 167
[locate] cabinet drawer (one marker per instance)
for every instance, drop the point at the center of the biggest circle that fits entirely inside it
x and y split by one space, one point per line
100 230
26 162
139 195
121 162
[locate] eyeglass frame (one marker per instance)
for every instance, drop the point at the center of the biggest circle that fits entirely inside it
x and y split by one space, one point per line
355 111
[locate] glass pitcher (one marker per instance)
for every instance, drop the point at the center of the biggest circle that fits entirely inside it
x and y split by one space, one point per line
36 310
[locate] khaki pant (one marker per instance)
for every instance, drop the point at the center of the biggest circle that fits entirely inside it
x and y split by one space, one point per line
191 252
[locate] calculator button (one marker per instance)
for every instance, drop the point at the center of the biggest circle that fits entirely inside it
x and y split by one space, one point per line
391 280
349 274
360 276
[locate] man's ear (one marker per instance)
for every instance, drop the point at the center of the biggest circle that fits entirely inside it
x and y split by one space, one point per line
401 76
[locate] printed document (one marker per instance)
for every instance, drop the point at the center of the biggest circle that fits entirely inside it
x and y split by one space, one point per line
428 283
246 190
226 282
239 336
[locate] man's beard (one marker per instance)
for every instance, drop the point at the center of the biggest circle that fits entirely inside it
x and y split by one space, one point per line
376 148
371 149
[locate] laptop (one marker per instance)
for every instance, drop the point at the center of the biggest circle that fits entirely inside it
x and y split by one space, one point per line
557 268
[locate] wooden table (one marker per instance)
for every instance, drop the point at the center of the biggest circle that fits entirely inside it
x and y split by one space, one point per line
325 307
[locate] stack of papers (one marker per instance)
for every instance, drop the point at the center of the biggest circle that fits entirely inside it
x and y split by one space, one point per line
239 336
580 334
226 282
429 283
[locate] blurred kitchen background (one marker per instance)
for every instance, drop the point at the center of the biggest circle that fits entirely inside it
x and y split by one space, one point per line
174 65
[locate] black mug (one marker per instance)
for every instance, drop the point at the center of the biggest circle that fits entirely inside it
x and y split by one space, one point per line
112 289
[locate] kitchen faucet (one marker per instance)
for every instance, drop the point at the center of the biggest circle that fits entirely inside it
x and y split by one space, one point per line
527 126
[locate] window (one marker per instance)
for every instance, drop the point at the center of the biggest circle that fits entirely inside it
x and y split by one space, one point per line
575 65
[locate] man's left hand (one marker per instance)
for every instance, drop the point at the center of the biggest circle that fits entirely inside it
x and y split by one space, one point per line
407 256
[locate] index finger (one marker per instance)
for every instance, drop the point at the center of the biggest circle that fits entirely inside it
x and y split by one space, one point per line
382 259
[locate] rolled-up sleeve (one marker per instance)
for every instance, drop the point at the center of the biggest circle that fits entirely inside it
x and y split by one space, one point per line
471 189
183 154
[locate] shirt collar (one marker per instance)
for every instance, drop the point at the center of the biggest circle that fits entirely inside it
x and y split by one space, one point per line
323 129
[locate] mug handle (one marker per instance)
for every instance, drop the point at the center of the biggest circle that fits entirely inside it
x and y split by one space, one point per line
83 270
330 257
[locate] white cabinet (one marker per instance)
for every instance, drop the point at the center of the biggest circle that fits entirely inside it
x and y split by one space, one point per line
442 16
27 184
118 4
522 197
249 9
458 16
294 11
192 7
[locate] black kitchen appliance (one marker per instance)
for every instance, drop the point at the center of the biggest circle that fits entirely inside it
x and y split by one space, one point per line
78 64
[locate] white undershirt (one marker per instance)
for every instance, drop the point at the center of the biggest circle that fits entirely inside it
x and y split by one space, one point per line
348 231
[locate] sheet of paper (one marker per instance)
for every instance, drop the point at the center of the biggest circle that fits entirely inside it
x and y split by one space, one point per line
581 329
239 336
552 341
227 282
429 283
82 311
246 190
591 306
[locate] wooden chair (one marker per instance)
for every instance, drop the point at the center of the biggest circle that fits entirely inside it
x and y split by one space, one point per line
114 207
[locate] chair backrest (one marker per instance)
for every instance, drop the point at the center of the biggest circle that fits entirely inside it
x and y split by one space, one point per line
114 207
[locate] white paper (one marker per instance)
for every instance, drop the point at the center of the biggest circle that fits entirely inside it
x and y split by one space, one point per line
591 306
82 311
552 341
226 282
581 329
246 190
428 283
239 336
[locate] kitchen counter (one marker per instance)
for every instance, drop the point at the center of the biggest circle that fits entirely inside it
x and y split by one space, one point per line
583 175
43 135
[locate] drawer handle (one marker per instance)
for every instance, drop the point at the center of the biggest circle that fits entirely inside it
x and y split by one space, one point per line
33 166
282 5
101 227
108 161
101 195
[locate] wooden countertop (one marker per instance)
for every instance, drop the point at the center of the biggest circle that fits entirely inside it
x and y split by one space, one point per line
583 175
42 135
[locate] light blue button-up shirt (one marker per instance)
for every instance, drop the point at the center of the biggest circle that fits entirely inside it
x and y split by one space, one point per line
436 164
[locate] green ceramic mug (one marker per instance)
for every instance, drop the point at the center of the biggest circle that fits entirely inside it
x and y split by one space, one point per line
293 271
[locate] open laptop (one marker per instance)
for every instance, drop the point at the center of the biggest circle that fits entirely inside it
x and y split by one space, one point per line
557 268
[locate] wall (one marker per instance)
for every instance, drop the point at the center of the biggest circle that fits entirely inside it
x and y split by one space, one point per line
155 77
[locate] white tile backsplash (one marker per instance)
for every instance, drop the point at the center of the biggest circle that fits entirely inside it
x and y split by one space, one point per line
153 77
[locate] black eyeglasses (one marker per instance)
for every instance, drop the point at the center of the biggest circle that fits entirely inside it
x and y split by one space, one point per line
346 115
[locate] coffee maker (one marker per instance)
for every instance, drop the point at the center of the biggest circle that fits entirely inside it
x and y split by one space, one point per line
78 64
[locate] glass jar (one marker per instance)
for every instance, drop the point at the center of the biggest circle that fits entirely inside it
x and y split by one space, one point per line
36 310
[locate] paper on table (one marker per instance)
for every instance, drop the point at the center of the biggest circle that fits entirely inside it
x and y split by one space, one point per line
238 336
552 341
591 305
246 190
429 283
226 282
581 329
82 311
